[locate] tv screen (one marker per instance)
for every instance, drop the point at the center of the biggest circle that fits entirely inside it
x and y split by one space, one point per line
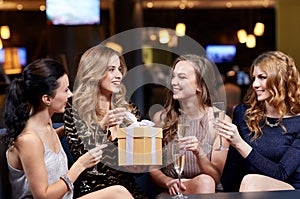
73 12
13 59
221 53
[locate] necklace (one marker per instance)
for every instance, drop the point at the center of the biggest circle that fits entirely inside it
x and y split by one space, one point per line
272 125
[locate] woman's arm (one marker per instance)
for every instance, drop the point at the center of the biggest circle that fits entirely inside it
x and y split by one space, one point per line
159 177
214 167
281 169
33 164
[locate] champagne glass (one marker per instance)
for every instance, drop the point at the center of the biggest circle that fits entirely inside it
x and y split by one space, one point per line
99 139
178 155
219 113
183 126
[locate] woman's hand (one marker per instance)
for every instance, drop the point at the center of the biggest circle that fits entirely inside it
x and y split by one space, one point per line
229 131
191 143
173 186
92 157
113 117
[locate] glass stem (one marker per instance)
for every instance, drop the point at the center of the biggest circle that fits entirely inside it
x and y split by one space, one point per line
179 186
221 141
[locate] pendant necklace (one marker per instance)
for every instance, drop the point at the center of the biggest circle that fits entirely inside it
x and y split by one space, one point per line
272 125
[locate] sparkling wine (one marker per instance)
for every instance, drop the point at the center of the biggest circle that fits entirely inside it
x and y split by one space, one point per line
219 114
182 130
179 163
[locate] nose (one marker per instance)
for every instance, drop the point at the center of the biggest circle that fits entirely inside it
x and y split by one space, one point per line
70 94
173 81
255 83
118 74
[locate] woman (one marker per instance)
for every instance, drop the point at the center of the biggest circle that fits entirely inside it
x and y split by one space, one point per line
265 134
36 161
192 95
97 91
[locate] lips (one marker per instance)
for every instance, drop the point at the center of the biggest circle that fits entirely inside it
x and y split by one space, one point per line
175 89
259 92
117 83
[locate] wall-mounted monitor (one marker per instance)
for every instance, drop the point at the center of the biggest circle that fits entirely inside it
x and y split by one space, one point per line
73 12
221 53
13 59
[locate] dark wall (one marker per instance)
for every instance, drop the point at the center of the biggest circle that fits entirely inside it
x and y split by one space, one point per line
219 26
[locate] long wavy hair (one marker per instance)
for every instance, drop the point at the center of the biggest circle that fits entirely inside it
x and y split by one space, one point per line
283 83
24 95
205 77
92 69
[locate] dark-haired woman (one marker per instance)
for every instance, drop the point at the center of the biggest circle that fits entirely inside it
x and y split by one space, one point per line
36 161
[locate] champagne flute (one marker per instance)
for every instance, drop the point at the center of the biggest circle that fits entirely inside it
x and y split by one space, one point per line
183 126
219 113
99 139
178 155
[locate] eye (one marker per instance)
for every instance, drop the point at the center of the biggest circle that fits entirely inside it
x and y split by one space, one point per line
182 76
262 77
120 68
111 68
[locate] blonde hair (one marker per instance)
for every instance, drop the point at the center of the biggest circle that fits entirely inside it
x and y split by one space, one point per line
205 78
283 83
92 69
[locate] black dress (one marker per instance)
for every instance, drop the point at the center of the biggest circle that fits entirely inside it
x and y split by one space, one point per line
275 153
112 175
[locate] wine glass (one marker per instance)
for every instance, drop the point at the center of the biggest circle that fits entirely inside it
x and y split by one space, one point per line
183 126
178 155
99 139
219 113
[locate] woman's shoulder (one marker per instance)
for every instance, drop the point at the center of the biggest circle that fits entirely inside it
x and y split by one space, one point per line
240 109
28 139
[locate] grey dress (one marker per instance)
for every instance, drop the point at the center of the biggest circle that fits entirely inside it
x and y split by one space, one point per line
56 166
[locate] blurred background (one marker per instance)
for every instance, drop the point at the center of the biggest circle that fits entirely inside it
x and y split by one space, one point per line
233 33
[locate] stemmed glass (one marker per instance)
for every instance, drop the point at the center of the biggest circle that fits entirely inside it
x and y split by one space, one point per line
178 155
183 126
99 139
219 113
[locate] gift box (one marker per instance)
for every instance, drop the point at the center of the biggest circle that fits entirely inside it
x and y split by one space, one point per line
140 146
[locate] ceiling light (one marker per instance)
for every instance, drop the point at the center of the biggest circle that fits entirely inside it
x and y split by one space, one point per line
259 29
180 29
164 36
149 4
242 36
251 41
5 32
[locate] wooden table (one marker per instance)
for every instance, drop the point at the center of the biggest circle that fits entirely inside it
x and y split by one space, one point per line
249 195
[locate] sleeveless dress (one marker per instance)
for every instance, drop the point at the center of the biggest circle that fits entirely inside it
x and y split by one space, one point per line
56 166
203 130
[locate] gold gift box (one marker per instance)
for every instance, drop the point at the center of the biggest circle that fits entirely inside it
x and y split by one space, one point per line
140 146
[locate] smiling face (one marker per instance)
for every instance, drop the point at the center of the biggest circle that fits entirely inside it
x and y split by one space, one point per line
184 84
113 77
260 84
62 93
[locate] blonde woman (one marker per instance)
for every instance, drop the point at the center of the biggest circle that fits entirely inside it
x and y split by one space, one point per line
265 134
97 91
192 87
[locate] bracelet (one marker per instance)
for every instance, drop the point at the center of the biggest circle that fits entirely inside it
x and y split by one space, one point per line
68 182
